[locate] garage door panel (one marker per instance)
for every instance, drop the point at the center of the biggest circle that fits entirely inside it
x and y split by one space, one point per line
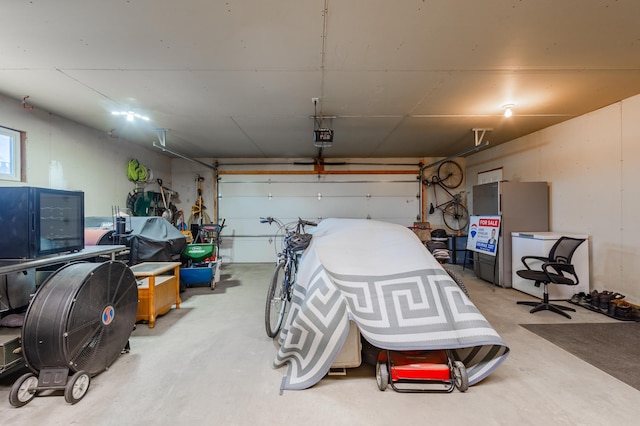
243 199
248 250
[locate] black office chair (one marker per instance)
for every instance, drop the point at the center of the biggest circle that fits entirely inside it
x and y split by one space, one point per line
555 269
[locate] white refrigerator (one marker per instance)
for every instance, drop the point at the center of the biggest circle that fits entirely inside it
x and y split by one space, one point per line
539 244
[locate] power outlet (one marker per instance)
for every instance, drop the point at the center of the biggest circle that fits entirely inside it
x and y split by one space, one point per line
315 100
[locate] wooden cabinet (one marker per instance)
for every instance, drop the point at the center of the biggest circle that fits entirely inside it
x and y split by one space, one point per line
158 289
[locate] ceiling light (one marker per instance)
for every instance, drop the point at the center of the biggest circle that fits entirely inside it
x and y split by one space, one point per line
508 112
130 115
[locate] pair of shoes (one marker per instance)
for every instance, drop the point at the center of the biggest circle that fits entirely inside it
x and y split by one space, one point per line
620 308
601 300
604 298
578 298
607 296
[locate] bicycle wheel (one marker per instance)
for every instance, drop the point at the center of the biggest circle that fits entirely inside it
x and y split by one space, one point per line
455 216
450 174
276 302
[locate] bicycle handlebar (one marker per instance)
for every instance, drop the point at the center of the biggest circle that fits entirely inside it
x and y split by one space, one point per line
301 221
306 222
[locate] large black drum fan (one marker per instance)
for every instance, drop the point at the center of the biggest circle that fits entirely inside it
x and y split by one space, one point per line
79 322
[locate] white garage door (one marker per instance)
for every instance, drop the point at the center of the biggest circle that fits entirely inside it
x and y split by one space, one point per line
243 199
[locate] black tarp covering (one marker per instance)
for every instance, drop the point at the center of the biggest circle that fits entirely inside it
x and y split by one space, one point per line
152 239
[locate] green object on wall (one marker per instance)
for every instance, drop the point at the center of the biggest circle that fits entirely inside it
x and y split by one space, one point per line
146 204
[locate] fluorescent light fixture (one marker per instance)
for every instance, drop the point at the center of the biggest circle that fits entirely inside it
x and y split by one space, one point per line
130 115
508 112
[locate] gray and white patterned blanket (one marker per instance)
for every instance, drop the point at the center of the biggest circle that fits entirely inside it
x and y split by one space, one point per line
382 277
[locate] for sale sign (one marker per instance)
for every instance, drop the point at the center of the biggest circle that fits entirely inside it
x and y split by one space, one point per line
483 234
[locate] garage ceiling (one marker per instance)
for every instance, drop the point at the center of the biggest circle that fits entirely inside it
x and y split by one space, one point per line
401 78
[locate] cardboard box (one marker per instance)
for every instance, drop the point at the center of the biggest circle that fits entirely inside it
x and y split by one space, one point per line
422 230
350 356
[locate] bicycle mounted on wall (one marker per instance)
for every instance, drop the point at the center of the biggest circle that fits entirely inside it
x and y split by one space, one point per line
449 176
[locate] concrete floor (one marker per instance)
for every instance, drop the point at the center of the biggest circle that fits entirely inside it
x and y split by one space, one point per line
209 363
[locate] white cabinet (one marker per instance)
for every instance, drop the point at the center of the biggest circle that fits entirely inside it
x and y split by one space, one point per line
539 244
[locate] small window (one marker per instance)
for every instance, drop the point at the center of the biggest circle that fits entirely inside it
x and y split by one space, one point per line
10 154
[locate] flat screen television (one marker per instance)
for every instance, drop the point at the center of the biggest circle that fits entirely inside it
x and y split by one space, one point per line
36 222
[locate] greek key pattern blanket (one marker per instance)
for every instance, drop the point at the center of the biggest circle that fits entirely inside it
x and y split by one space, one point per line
409 302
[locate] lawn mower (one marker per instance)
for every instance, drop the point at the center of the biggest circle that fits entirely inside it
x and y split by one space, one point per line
421 371
202 263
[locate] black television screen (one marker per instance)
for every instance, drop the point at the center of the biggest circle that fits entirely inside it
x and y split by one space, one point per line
40 221
61 221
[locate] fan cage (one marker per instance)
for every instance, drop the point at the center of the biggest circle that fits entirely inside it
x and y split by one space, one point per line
81 317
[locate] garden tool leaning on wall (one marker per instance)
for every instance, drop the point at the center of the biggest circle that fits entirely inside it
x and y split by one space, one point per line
169 210
198 214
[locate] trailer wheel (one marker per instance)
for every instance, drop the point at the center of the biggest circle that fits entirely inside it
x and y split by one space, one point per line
382 376
77 387
460 376
23 390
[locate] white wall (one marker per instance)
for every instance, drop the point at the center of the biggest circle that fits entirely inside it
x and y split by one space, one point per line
592 164
63 154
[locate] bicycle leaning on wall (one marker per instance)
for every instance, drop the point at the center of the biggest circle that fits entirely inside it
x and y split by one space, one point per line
294 242
449 176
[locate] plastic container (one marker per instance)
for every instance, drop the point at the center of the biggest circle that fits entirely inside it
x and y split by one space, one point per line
197 275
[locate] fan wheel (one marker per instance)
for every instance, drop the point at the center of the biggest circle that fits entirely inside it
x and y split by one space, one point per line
81 317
